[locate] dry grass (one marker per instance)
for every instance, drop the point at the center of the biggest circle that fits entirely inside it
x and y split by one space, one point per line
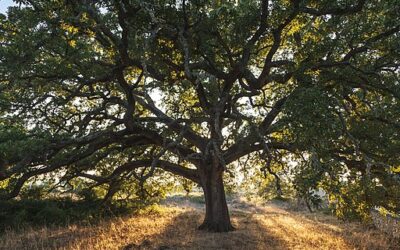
259 227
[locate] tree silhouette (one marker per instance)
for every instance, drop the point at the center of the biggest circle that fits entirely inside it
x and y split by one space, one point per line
105 90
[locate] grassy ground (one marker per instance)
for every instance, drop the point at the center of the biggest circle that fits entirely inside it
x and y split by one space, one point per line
172 226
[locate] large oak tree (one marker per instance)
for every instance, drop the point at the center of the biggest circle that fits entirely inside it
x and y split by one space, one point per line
104 90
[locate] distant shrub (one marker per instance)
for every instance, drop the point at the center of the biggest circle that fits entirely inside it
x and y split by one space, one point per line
281 199
21 213
35 192
88 195
386 221
197 199
154 209
50 215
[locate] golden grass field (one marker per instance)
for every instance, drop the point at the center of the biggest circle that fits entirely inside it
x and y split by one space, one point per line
174 227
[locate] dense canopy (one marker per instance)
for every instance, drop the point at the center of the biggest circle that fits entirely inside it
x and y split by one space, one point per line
114 91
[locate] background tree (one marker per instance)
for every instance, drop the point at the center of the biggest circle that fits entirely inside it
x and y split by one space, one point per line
108 90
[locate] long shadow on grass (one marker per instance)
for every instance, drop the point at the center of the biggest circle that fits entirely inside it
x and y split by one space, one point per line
257 228
182 234
277 228
320 228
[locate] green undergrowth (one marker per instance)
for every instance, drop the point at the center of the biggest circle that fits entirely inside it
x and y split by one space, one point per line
19 214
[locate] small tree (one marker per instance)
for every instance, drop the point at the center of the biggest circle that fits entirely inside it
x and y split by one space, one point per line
106 90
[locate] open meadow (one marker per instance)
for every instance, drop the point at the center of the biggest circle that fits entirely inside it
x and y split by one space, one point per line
172 226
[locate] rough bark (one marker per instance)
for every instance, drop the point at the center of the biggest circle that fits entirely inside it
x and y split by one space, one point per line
217 215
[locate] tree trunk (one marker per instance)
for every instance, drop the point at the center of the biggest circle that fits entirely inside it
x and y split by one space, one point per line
279 192
217 215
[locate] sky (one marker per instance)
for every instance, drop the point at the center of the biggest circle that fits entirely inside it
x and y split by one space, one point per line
4 4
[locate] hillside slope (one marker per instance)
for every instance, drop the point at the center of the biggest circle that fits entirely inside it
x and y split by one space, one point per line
172 226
